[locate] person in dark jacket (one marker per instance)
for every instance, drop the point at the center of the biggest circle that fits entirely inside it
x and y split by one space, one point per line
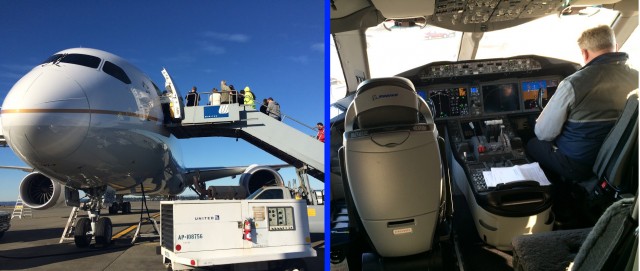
263 107
193 98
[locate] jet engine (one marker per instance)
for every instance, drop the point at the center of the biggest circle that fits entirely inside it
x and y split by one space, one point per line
255 177
40 192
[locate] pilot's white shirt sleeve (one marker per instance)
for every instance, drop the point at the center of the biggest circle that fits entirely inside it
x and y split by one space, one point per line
550 122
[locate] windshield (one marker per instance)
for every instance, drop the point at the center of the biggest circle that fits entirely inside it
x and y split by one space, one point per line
396 50
632 47
550 36
402 49
399 49
338 85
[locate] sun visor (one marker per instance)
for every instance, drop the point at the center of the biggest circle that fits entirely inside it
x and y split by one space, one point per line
397 9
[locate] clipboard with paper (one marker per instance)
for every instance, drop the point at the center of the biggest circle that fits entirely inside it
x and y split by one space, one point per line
505 175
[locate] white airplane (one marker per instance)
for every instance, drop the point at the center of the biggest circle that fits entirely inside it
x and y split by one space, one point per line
88 120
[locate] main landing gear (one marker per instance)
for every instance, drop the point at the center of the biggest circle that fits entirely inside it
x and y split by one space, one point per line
120 205
93 226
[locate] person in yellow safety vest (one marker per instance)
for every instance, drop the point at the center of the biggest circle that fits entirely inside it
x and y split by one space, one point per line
248 97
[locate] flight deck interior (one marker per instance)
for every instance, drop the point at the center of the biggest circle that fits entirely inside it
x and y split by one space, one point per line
485 191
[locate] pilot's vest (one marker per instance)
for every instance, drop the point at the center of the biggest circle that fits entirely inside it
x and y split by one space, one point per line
601 88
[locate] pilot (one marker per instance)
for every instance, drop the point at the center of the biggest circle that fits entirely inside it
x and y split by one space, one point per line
585 107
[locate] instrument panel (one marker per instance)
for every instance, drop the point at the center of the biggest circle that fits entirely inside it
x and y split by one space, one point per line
489 98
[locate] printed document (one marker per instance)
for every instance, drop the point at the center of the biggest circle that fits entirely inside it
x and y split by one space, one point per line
531 172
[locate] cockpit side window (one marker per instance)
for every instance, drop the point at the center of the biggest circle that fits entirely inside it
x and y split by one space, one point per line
115 71
156 88
51 59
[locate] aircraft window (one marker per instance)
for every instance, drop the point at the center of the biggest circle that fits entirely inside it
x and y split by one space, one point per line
115 71
78 59
51 58
338 85
334 111
536 38
500 98
401 49
83 60
632 47
156 88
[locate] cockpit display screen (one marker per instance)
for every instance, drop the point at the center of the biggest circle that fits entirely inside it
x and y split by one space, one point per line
449 102
530 92
500 98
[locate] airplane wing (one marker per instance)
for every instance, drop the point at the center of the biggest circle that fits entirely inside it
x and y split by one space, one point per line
25 169
212 173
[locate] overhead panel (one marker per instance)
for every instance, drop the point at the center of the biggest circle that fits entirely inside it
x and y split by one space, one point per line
488 15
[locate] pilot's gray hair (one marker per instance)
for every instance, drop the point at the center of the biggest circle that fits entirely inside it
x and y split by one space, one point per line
598 38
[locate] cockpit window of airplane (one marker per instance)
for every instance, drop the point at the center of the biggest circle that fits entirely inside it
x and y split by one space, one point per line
392 50
78 59
338 85
632 47
115 71
535 38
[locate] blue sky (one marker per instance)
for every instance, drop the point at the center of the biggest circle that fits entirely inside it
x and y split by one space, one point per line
276 48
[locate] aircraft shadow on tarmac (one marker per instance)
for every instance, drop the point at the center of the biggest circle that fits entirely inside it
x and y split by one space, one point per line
25 236
26 258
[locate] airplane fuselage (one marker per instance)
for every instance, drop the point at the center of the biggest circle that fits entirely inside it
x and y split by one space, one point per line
87 118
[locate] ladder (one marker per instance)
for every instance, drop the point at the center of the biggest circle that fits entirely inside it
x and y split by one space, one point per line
21 210
67 233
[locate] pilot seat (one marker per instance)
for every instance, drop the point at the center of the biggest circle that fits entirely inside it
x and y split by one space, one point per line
392 163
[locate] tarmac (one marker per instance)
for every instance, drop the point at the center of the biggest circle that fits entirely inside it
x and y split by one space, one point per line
33 243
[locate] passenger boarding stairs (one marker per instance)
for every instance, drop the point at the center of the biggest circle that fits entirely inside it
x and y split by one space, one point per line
273 136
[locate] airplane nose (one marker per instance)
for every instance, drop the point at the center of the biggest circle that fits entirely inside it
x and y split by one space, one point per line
46 117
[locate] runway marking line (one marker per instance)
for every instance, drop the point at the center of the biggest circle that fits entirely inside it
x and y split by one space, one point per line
130 228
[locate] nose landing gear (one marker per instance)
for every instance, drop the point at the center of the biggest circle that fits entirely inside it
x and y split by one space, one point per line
87 228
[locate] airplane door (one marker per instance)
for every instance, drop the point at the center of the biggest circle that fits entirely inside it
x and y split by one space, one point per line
176 103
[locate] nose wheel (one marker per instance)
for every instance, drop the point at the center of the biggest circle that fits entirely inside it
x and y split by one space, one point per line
94 226
103 232
81 235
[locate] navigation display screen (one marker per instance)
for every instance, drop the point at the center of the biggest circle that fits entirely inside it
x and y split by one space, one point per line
530 92
450 102
500 98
